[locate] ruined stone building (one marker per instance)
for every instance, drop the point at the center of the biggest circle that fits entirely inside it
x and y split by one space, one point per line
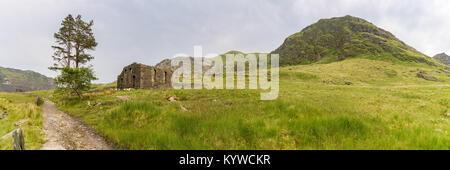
140 76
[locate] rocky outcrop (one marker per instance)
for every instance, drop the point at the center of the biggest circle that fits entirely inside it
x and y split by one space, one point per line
424 75
443 58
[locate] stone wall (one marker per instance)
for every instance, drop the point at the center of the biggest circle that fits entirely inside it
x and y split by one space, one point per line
140 76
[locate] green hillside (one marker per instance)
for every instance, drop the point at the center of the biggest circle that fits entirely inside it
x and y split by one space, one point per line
13 80
340 38
350 104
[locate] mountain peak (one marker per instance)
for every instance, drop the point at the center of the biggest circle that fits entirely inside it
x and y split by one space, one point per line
345 18
339 38
440 54
443 58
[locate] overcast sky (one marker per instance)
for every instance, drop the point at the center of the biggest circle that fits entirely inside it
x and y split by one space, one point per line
148 31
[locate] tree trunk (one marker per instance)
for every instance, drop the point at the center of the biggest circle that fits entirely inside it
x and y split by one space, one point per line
77 55
69 48
69 94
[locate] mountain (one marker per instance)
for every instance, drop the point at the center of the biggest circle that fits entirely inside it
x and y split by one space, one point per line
167 63
444 58
339 38
14 80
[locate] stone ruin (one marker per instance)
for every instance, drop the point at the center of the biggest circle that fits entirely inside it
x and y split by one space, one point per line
140 76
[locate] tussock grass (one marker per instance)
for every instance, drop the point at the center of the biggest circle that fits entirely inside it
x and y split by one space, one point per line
21 107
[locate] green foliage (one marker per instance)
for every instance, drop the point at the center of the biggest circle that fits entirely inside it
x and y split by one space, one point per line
74 39
64 40
75 80
84 40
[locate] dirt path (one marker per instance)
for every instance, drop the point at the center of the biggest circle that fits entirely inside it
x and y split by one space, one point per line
63 132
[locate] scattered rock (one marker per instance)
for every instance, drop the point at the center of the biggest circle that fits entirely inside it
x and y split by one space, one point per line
348 83
98 104
123 98
89 103
447 114
214 100
182 108
438 130
1 116
172 99
423 75
228 104
21 122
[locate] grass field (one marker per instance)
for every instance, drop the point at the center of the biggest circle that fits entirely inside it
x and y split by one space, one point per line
352 104
21 107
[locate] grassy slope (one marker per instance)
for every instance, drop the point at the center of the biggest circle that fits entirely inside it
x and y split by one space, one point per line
21 107
19 75
335 39
386 107
24 80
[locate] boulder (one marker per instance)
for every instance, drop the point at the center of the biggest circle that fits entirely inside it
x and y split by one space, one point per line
21 122
123 98
183 109
172 99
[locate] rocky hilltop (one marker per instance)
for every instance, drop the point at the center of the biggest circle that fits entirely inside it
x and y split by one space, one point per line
339 38
14 80
167 63
444 58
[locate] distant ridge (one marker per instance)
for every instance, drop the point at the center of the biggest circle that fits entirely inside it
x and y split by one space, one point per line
14 80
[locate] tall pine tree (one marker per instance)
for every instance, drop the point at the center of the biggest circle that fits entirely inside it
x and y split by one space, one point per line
74 39
64 40
84 40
